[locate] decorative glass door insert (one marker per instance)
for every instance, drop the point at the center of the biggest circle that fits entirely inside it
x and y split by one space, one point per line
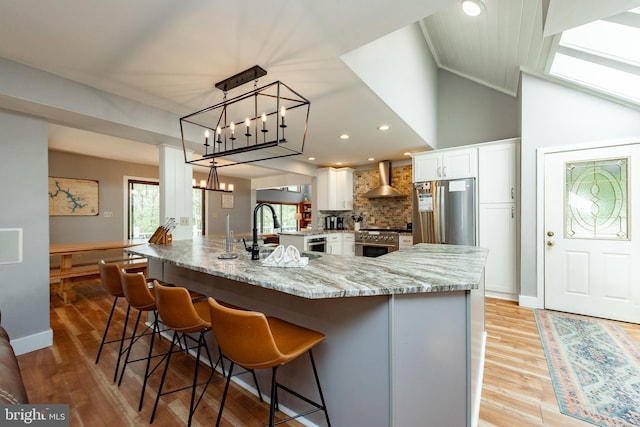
596 205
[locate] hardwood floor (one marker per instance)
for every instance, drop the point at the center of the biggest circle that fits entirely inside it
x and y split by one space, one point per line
67 373
517 389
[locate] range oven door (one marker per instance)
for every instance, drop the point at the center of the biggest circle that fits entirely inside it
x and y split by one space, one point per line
369 250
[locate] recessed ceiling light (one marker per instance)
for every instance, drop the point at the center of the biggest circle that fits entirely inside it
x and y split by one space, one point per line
338 163
312 158
472 7
406 153
344 136
371 159
383 127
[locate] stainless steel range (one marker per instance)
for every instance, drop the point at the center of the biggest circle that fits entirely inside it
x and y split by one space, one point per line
375 242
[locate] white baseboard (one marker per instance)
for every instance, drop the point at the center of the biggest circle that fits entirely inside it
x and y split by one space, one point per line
501 295
529 302
32 342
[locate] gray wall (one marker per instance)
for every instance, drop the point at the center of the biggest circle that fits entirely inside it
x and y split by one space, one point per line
24 287
555 115
240 215
109 174
470 113
112 193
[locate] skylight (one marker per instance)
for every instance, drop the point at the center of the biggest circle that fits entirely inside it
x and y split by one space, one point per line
603 55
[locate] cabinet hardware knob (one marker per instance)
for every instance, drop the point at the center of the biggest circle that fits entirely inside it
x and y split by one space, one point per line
550 233
550 243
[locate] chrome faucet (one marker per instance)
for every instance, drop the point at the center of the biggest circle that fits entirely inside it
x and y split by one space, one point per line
255 249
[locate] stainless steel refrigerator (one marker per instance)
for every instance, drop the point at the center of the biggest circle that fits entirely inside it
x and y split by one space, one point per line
444 212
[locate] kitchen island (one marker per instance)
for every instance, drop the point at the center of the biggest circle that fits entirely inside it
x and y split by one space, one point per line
405 331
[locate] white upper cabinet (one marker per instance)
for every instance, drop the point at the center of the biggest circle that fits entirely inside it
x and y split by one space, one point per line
445 164
497 172
335 189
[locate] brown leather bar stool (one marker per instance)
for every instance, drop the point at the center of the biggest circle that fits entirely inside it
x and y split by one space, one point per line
110 278
254 341
178 312
136 291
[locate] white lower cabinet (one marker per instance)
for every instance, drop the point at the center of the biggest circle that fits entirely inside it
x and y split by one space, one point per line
334 243
406 241
498 234
348 244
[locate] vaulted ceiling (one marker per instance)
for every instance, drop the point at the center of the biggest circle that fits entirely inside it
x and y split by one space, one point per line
169 54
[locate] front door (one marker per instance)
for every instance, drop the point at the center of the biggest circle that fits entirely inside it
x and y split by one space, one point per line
592 232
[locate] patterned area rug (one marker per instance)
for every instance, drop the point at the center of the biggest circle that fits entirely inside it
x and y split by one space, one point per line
595 368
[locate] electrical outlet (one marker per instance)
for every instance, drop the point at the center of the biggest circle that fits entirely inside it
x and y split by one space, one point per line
107 214
184 221
372 220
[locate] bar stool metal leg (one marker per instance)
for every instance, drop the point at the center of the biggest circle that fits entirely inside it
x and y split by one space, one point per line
315 374
106 329
120 351
164 376
224 394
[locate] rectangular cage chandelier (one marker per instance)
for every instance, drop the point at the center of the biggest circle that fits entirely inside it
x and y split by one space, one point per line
267 122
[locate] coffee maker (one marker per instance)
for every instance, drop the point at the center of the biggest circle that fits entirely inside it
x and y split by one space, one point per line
340 223
330 222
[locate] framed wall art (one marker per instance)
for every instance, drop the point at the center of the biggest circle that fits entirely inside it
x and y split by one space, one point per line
73 197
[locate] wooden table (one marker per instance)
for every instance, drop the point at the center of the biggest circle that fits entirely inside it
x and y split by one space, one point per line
68 271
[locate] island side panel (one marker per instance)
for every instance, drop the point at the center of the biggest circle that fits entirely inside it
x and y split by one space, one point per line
478 340
353 362
429 355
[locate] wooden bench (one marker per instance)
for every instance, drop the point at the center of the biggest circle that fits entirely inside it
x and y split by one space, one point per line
61 277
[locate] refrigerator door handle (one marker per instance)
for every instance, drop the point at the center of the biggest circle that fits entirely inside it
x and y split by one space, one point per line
442 238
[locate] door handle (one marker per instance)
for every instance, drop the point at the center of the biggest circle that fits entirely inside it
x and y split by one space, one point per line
439 171
550 233
444 171
512 193
550 243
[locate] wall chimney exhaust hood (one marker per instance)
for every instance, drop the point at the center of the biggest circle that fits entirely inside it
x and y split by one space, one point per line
384 189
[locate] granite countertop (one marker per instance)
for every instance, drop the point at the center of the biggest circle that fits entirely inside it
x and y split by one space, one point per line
321 232
313 232
417 269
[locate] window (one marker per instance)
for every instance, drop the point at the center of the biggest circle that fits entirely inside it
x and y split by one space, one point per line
198 220
603 55
286 216
144 209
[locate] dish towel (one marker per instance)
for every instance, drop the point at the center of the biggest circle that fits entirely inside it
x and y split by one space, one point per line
285 257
